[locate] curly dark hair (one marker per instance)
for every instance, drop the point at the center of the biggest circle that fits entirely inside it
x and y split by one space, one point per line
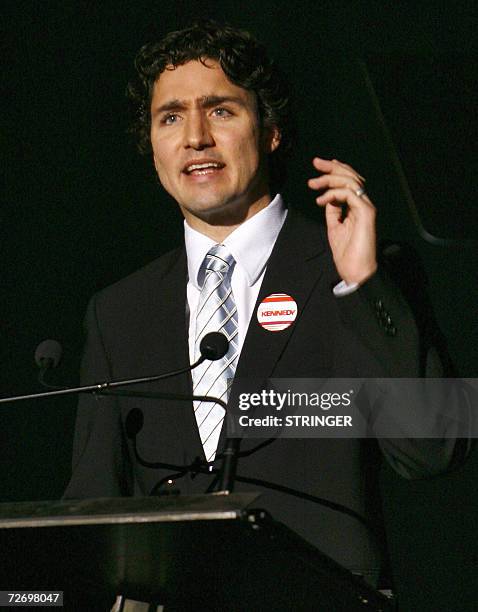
244 61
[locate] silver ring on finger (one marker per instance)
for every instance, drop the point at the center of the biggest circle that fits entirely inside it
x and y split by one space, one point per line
360 192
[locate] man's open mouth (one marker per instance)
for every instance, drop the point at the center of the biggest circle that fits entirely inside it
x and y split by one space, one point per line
198 169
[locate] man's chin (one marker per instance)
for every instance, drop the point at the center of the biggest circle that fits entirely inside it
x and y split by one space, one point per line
216 212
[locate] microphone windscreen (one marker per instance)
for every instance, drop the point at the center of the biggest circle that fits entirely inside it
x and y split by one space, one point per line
214 346
48 354
134 423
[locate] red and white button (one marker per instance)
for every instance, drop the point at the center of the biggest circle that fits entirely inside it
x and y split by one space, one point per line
277 312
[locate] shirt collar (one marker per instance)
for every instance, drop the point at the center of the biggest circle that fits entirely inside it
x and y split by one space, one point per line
250 244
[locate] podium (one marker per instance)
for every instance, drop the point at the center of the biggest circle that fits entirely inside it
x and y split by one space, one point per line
200 552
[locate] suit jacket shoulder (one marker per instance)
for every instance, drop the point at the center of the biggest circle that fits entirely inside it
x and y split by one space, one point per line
141 282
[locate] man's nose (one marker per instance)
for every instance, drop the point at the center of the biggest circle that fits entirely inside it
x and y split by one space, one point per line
197 132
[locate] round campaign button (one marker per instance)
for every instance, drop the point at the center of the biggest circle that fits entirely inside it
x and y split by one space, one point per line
277 311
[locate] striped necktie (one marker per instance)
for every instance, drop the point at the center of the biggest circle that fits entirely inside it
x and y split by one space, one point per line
216 312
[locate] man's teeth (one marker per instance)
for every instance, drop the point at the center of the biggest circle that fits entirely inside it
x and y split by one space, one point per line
193 167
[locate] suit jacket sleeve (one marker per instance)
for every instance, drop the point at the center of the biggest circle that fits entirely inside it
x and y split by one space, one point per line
379 314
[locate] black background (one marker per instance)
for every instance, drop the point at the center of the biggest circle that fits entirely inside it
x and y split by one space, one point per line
388 87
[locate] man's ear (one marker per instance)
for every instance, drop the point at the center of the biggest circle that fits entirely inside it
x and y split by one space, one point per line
276 138
272 138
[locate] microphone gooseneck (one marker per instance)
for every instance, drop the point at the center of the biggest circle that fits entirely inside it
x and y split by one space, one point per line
215 347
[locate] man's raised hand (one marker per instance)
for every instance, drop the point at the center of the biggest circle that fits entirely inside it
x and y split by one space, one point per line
352 235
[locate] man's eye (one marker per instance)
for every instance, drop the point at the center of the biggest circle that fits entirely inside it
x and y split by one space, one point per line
221 112
169 119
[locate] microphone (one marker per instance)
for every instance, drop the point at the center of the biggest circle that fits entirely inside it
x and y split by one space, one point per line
213 346
134 423
47 356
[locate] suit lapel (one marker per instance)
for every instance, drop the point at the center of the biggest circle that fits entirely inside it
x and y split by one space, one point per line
294 268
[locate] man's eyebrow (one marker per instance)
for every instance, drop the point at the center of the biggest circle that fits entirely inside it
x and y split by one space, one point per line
170 105
208 101
205 102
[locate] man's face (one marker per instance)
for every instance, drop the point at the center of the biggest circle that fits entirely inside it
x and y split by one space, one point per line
210 152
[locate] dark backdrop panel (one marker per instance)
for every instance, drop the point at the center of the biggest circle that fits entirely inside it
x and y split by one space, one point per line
390 90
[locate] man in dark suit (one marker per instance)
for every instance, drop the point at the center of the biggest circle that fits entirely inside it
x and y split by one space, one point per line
213 111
